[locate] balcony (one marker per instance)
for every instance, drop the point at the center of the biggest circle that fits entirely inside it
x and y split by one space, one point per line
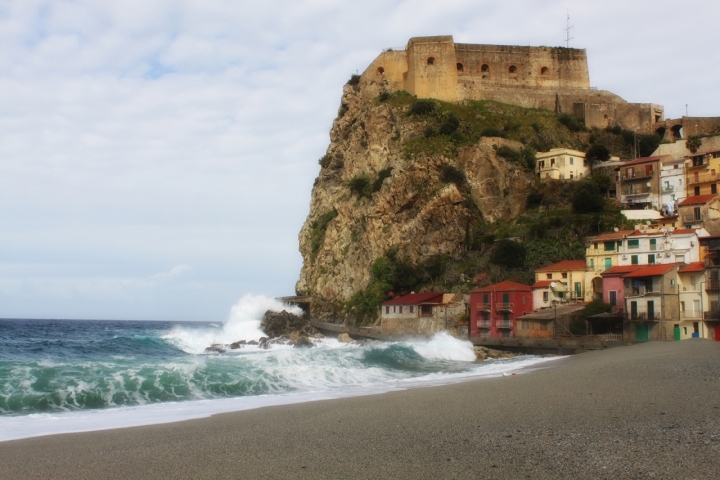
636 190
691 218
712 285
483 307
504 307
484 324
668 188
698 164
638 175
643 317
691 315
504 324
708 177
712 315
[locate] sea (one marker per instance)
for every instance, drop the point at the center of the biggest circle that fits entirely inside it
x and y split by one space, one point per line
61 376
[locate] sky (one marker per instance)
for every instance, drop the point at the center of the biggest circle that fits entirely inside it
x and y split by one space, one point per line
157 156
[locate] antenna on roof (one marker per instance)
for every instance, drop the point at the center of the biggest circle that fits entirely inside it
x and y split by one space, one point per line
567 31
616 229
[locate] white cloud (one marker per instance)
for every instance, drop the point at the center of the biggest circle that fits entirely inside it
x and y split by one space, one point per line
138 135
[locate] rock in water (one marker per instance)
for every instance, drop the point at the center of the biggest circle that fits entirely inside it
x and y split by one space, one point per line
215 348
344 338
303 342
276 324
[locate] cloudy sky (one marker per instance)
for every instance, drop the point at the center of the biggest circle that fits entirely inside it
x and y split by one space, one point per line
157 156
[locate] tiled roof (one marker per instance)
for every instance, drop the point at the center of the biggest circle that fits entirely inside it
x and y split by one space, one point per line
692 267
612 236
651 271
683 231
416 298
543 283
621 270
564 266
503 287
642 160
697 200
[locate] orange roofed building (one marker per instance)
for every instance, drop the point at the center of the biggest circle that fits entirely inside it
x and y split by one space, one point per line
494 309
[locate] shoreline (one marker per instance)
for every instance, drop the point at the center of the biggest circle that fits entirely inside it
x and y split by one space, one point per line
98 420
644 411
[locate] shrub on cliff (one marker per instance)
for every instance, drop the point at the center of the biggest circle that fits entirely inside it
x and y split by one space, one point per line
492 132
508 254
587 198
422 107
354 80
452 174
693 143
525 157
361 186
450 125
317 232
571 122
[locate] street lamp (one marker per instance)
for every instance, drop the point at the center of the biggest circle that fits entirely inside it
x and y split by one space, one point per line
555 329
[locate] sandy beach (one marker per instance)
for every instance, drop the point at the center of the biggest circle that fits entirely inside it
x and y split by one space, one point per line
643 411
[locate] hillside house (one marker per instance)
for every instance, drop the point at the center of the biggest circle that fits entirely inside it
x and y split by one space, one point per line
639 183
421 313
652 306
613 286
562 164
672 185
711 303
661 247
493 309
694 210
703 172
692 278
571 277
602 254
548 322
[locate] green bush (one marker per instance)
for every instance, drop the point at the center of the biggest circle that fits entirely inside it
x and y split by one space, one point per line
317 231
430 132
647 144
587 198
422 107
452 174
492 132
693 143
361 186
450 125
571 122
354 80
525 157
509 153
384 97
534 199
324 161
597 152
382 175
508 254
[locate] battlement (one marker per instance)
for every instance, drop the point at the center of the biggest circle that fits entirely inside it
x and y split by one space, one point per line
554 78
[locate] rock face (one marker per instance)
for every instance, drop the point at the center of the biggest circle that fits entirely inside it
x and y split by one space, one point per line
412 208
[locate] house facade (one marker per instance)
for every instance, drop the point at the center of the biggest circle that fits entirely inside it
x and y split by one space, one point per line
652 306
639 183
494 309
568 282
711 288
421 313
692 279
661 247
613 290
672 185
602 254
561 164
703 173
693 211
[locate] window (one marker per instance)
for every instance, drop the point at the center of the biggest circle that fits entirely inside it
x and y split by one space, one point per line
675 166
608 263
393 308
651 259
634 259
712 172
387 309
572 161
696 211
412 308
697 191
544 71
592 263
595 246
609 246
545 296
713 188
380 70
584 162
431 61
564 275
512 69
485 67
524 299
549 275
716 155
460 67
653 244
400 309
578 290
542 163
680 258
633 243
613 297
693 280
552 162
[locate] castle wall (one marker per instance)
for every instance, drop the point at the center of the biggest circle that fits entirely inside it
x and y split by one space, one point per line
432 69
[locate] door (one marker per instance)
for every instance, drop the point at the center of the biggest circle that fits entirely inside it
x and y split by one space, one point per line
578 290
651 310
613 298
608 263
641 332
506 298
633 310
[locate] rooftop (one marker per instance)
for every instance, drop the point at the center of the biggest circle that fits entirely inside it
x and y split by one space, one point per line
417 298
651 270
692 267
606 237
546 283
697 200
643 160
564 266
505 286
621 270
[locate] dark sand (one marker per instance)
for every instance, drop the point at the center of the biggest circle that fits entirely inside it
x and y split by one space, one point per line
645 411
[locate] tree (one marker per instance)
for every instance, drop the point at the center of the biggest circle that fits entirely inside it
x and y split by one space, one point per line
508 254
597 153
587 198
693 143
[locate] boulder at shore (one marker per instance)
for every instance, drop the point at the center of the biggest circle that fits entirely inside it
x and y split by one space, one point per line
276 324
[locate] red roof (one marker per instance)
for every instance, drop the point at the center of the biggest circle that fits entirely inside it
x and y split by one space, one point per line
544 283
611 236
416 298
642 160
621 270
692 267
682 231
506 286
697 200
651 271
564 266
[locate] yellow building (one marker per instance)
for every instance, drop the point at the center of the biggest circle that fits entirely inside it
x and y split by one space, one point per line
569 273
562 164
702 171
602 254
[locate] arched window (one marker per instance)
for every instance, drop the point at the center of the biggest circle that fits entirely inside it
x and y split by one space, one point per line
380 70
544 71
485 67
512 69
460 67
431 61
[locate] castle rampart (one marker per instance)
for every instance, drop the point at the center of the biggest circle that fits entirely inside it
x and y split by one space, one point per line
552 78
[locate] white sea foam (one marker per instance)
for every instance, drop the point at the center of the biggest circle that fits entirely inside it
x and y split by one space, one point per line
444 346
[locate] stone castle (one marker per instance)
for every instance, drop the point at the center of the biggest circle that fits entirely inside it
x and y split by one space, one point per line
553 78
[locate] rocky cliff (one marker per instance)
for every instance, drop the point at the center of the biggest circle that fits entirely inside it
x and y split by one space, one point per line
390 180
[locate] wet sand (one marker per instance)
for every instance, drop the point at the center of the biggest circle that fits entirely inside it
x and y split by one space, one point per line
644 411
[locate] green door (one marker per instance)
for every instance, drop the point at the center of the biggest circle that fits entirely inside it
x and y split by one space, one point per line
641 332
608 263
676 333
506 298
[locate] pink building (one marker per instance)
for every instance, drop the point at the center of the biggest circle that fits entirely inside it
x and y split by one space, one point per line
614 285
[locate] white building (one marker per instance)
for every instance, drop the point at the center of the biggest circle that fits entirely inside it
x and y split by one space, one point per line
692 300
562 164
661 247
672 185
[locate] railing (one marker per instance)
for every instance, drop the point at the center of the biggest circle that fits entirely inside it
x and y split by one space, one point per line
691 218
504 324
668 188
712 262
638 175
712 284
643 316
706 177
610 337
712 315
695 164
690 315
508 307
483 307
640 190
484 324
